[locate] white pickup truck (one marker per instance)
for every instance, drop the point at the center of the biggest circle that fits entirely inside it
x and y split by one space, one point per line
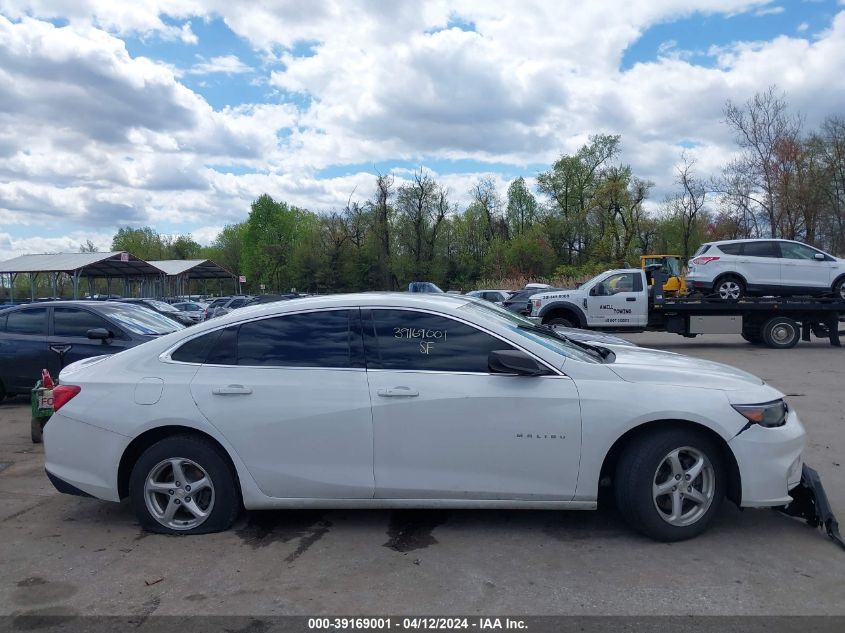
622 301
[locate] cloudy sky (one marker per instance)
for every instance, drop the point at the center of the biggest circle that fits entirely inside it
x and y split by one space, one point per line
178 113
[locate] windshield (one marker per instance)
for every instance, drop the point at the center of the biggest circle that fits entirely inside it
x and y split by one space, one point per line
140 320
161 306
524 327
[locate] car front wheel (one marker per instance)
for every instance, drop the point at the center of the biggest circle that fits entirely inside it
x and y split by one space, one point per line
184 485
669 484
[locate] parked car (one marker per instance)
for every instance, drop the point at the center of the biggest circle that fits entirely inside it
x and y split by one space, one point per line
50 335
736 268
165 309
424 287
493 296
520 301
196 311
224 305
443 402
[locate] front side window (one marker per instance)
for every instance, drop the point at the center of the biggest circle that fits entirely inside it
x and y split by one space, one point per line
620 282
32 321
760 249
792 250
73 322
421 341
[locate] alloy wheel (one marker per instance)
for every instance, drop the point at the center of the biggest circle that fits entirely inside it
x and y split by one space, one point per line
179 493
729 290
684 486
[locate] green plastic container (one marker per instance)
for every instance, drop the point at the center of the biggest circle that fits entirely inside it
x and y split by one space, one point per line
42 409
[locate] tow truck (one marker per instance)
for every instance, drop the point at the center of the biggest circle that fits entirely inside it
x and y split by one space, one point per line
634 300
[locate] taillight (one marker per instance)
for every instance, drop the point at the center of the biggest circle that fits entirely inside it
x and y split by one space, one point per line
700 261
64 394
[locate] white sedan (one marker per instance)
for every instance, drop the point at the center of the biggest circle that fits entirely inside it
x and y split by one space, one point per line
414 400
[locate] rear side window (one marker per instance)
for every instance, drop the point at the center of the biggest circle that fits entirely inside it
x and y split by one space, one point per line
73 322
760 249
197 349
404 339
32 321
731 249
312 339
237 303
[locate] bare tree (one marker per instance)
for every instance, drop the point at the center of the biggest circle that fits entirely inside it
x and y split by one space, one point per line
689 202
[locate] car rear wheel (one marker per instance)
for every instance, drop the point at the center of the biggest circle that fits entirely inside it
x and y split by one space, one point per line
669 484
183 485
730 288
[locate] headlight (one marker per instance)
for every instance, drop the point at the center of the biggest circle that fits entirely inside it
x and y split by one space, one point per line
769 414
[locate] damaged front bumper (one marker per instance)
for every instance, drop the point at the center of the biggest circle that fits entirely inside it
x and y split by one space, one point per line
809 502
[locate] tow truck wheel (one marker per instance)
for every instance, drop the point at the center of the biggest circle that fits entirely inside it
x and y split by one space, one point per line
669 483
781 333
560 321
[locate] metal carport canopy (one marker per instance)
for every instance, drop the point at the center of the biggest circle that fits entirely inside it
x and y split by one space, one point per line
116 264
193 268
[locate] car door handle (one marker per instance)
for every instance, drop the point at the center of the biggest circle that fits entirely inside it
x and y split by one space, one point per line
231 390
630 298
61 349
398 392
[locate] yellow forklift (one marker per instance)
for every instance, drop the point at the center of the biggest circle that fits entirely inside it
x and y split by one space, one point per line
670 265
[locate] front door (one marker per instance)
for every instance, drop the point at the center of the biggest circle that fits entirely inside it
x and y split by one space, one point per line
802 272
68 340
617 301
446 428
290 394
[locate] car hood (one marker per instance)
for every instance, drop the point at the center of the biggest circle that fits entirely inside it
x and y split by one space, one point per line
637 364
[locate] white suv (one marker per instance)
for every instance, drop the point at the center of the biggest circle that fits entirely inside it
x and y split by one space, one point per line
736 268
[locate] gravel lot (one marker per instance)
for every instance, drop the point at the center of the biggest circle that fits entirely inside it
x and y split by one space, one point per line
68 555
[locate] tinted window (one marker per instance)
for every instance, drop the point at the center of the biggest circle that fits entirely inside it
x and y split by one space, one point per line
32 321
76 322
791 250
760 249
140 320
621 282
702 249
402 339
731 249
196 350
225 351
237 303
313 339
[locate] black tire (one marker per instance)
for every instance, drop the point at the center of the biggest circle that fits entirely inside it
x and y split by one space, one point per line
226 494
637 469
563 321
36 431
729 288
781 333
839 288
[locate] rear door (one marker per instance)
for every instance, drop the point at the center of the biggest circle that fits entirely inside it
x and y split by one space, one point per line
290 394
801 271
760 264
23 348
68 339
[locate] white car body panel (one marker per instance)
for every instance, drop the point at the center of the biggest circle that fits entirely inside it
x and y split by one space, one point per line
325 438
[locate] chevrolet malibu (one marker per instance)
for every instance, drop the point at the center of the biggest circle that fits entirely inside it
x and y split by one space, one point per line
414 400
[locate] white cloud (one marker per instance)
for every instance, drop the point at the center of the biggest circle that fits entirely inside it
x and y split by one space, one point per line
226 64
801 28
769 11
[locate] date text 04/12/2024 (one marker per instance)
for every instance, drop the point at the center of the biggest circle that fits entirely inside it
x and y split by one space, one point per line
417 623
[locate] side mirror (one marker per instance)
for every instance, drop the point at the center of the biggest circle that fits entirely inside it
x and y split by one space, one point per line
99 334
819 257
511 361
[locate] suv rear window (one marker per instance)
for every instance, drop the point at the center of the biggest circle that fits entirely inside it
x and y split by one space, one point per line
701 250
760 249
731 249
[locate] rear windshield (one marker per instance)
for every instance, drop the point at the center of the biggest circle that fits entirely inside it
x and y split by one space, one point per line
701 250
139 320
